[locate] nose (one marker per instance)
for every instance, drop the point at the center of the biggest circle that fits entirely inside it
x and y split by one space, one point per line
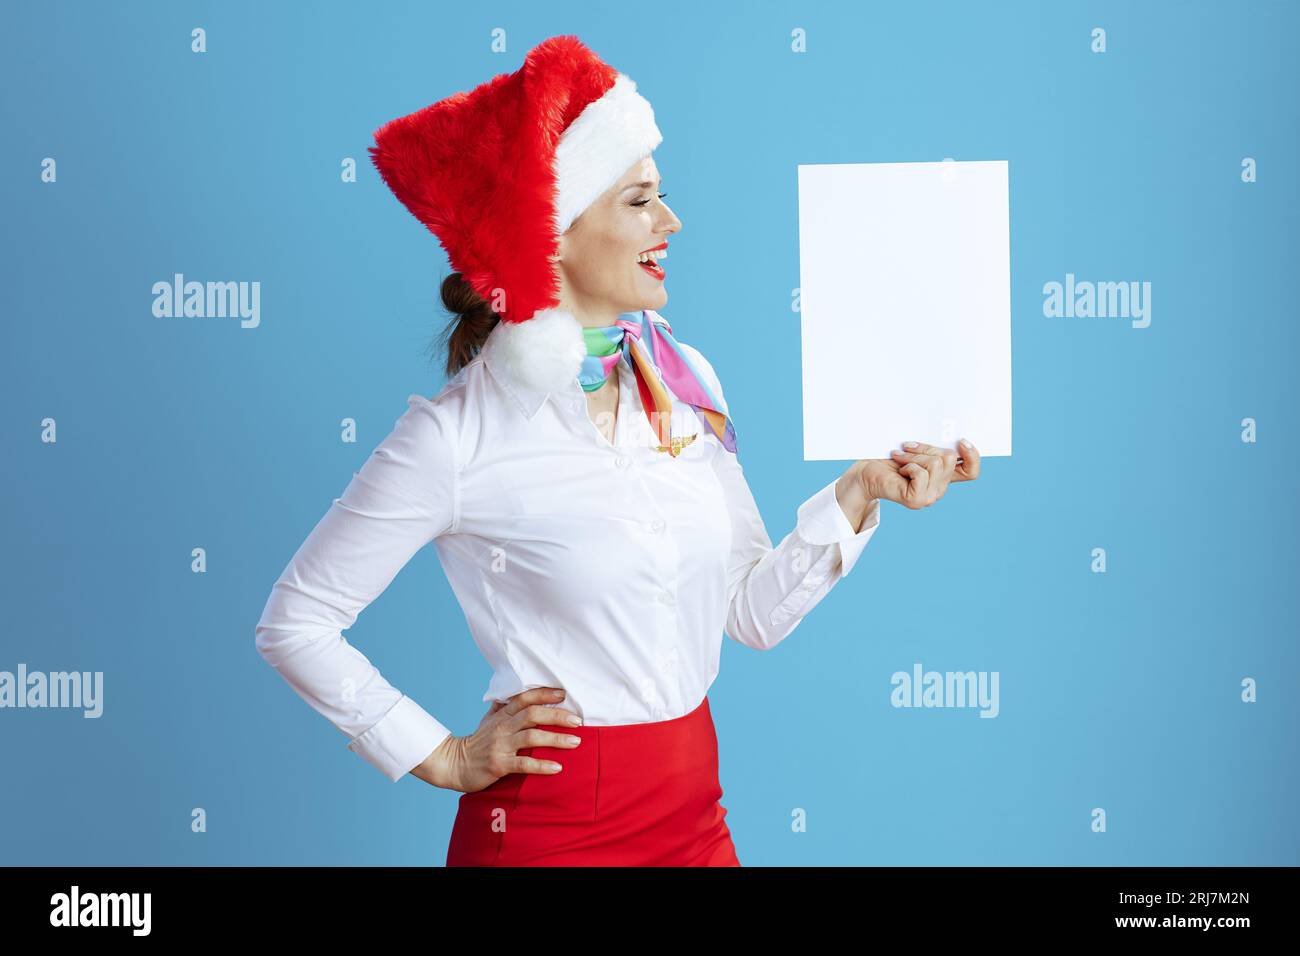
671 223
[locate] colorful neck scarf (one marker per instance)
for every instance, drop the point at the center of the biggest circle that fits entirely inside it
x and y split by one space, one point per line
645 345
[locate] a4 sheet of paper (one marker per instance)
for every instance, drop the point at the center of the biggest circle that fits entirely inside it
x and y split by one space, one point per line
905 304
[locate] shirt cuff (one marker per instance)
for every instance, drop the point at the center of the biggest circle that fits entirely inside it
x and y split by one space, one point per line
401 740
822 521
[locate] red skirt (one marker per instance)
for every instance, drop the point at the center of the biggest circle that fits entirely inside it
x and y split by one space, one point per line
629 795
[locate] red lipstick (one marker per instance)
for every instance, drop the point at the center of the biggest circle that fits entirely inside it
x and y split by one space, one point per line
653 267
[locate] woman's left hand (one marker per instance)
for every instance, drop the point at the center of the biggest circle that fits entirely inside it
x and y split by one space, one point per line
918 476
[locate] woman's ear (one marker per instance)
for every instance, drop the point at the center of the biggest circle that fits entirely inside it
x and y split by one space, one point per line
562 246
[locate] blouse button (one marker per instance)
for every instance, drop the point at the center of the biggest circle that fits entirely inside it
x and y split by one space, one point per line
667 598
657 526
621 461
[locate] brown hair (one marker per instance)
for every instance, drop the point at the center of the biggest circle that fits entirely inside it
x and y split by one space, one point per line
472 320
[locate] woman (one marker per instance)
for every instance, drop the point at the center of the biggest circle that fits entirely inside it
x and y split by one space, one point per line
578 477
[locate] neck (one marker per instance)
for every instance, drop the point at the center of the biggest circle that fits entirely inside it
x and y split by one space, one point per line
591 316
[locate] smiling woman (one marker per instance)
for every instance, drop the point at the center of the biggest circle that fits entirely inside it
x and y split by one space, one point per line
593 569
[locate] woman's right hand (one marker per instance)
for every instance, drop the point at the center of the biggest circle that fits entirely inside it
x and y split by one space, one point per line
485 756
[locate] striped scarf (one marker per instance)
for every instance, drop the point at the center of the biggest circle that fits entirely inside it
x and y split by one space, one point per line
647 345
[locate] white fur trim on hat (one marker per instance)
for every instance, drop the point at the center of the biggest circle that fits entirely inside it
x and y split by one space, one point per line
611 134
543 354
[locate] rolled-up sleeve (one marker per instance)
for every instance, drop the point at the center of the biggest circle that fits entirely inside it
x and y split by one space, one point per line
771 589
404 496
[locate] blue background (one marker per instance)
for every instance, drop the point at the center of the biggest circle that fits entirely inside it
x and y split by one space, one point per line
1118 690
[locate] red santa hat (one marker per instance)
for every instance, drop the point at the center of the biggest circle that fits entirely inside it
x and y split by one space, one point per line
500 172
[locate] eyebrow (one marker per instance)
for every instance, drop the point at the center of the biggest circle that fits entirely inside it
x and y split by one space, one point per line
642 185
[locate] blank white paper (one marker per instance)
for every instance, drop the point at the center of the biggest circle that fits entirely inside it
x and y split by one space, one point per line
905 305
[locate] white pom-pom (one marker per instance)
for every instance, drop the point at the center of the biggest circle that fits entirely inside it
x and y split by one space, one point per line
544 352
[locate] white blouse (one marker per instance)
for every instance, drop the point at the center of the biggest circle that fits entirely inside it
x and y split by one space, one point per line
610 570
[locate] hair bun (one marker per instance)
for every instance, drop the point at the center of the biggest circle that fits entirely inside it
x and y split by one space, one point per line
473 319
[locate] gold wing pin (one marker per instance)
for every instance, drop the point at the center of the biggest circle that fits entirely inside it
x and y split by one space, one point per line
678 443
